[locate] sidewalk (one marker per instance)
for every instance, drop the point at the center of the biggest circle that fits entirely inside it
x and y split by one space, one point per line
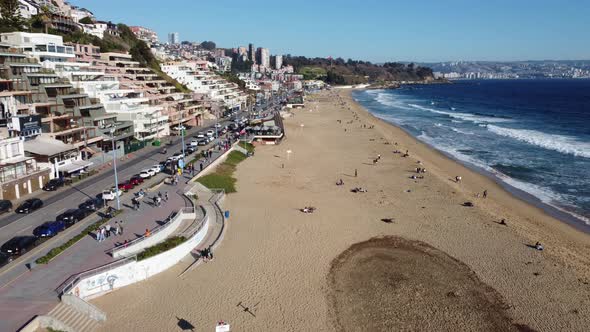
33 293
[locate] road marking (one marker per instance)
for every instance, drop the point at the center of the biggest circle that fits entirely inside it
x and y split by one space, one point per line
24 229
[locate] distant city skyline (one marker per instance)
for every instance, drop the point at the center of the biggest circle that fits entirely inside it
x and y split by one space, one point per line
377 31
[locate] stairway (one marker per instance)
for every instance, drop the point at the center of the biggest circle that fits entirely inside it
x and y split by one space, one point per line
75 320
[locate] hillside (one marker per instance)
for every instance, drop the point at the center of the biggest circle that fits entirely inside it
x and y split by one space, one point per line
339 71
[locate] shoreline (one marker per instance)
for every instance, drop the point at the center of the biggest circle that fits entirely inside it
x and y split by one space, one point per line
277 261
549 211
566 217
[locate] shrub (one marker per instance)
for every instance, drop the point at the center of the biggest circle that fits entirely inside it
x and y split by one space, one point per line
58 250
161 247
248 146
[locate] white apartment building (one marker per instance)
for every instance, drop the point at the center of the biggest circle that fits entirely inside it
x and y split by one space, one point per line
265 57
278 62
44 47
201 80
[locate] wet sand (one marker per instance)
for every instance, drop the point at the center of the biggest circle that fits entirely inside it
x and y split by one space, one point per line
276 260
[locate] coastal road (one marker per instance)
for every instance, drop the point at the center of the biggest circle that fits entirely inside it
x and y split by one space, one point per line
71 196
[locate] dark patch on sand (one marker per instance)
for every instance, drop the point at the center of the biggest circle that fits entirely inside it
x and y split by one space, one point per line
393 284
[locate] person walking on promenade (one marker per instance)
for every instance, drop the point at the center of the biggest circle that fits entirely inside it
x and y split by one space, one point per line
160 195
147 233
116 228
102 234
201 167
166 196
108 230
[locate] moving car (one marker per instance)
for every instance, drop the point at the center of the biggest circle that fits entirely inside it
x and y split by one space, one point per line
54 184
72 216
92 204
30 205
111 194
5 206
18 245
49 229
126 186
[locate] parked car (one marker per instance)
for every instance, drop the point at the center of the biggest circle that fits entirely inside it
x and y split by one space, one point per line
156 168
217 125
194 142
30 205
111 194
146 174
134 181
18 245
72 216
190 149
126 186
210 133
92 204
137 178
177 156
203 142
200 136
49 229
54 184
5 259
5 206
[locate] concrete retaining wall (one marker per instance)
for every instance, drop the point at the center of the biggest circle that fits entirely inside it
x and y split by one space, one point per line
155 238
136 271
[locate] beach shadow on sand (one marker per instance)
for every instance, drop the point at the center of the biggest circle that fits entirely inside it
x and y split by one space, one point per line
185 325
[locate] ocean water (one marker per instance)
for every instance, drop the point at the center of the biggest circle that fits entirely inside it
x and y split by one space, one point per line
533 135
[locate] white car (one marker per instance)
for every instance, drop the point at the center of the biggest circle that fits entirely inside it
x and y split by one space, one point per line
156 168
194 142
217 125
200 136
146 174
177 128
111 194
210 133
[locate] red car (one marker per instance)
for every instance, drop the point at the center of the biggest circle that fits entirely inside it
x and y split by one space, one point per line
125 186
136 178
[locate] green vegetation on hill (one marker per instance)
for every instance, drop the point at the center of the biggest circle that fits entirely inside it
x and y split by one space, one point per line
338 71
10 18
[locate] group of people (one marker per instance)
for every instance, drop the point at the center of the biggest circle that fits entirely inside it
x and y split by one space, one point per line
206 254
106 231
340 182
308 209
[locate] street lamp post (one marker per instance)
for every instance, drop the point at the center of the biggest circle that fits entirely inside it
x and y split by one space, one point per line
115 168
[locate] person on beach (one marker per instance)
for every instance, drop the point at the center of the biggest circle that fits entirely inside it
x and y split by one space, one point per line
457 179
539 246
355 173
485 194
503 222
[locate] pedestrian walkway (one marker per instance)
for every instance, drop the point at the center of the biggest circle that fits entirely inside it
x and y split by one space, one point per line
34 292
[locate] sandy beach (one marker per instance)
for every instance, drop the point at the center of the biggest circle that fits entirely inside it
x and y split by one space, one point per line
443 265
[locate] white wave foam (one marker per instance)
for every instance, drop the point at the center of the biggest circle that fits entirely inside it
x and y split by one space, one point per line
462 116
560 143
461 131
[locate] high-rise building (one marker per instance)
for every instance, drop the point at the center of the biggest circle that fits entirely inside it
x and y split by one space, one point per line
251 53
173 38
278 61
263 55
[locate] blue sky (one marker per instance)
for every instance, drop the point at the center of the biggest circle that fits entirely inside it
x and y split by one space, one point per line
375 30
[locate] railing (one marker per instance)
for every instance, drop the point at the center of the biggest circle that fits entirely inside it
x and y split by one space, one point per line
67 285
154 231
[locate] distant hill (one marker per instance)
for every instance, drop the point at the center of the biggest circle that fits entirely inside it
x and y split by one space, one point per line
345 72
